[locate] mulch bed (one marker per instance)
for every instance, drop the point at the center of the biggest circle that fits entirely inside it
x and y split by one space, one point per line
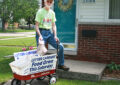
113 74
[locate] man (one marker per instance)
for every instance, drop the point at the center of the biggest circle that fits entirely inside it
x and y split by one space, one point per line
45 20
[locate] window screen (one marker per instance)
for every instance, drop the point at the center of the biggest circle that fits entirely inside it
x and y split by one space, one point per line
114 9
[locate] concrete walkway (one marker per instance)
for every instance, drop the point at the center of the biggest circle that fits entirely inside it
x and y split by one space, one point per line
17 35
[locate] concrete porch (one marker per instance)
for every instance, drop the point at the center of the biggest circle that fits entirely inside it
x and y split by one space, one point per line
82 70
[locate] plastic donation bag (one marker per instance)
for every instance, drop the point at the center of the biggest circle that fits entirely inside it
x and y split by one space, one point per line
41 49
20 67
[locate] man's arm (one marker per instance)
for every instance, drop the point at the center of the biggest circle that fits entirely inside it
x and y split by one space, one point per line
55 31
38 31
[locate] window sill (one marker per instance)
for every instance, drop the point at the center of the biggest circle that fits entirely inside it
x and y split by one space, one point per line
67 52
101 23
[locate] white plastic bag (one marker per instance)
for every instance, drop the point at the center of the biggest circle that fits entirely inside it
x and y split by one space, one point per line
41 49
21 67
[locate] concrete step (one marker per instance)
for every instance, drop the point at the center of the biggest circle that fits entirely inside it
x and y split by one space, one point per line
82 70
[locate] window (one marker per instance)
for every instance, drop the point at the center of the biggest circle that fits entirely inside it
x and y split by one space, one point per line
88 1
114 9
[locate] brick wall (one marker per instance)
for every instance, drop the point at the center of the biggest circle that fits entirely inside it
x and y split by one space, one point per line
103 48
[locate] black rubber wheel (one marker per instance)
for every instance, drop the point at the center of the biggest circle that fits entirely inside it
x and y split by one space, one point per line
16 82
55 75
41 78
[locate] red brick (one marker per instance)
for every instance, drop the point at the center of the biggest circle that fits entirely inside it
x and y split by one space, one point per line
104 48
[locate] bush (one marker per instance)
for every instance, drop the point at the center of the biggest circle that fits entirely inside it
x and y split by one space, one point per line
113 66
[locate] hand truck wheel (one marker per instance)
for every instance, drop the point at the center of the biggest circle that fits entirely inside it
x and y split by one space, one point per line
55 75
16 82
52 80
41 78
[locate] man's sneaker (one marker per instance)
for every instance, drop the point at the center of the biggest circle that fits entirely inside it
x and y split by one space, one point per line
63 67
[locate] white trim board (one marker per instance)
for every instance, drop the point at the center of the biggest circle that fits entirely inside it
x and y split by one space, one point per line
65 48
66 52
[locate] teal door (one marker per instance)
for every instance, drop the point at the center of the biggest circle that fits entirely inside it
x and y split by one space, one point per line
65 15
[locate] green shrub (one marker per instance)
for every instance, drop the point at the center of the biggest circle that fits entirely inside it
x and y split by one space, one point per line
113 66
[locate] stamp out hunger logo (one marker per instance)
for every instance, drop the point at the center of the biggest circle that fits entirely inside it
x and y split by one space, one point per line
43 64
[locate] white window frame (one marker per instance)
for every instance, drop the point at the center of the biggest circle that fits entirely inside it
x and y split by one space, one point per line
107 13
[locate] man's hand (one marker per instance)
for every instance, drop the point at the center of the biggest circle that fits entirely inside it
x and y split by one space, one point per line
56 38
40 37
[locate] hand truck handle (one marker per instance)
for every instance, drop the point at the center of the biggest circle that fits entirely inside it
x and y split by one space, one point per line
57 47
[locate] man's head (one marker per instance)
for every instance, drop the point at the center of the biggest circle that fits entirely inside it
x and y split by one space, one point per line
48 3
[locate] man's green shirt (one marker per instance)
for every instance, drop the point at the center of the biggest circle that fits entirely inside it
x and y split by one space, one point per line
45 18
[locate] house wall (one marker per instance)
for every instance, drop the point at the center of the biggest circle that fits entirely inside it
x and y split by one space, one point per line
105 46
102 48
91 12
97 12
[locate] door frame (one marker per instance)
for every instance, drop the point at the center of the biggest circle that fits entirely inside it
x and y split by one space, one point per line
71 51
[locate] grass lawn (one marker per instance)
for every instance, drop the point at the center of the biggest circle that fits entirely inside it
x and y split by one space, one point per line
5 71
80 82
5 37
22 42
16 30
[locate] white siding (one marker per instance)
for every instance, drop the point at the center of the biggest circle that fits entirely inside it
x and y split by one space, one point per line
92 12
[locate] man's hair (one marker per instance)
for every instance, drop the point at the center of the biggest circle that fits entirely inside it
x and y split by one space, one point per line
49 0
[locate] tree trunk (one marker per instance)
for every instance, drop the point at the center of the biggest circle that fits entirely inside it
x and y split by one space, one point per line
43 4
3 25
6 25
29 23
29 26
16 25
